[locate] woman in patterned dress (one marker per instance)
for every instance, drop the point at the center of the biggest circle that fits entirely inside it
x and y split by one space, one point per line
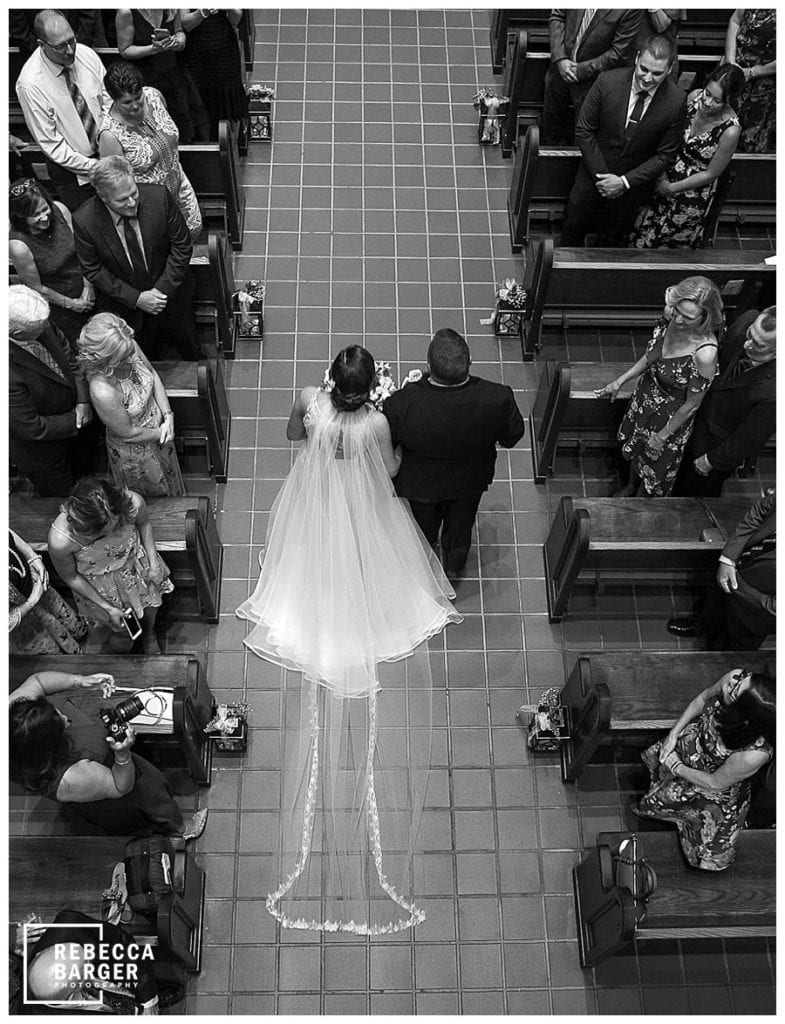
131 401
138 127
751 43
675 372
103 547
676 215
701 771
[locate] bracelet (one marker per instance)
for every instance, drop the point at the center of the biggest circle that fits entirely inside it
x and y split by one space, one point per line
677 765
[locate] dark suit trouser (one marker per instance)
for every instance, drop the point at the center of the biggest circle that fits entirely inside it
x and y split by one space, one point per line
587 212
456 518
175 326
729 622
49 469
690 483
562 104
69 191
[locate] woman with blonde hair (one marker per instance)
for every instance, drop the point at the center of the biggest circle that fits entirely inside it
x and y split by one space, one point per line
131 401
675 372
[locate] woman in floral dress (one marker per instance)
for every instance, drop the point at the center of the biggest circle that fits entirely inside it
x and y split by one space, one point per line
676 215
138 127
701 771
751 43
675 372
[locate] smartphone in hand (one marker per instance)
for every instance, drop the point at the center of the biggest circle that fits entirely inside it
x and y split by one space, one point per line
133 626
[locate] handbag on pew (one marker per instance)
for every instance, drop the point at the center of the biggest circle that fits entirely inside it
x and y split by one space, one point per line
149 866
634 872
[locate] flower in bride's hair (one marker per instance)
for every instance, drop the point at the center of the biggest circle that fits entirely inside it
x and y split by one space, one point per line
327 382
411 377
385 385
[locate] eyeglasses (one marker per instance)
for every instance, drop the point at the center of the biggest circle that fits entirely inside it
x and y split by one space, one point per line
61 47
28 185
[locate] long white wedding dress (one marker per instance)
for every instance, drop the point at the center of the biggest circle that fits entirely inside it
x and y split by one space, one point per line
348 597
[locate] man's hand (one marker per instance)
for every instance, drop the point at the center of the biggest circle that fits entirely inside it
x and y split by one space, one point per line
702 465
566 69
726 577
84 414
15 144
151 301
609 185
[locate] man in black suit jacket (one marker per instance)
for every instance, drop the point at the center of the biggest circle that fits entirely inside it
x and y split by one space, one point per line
49 402
580 51
739 413
448 425
135 248
629 130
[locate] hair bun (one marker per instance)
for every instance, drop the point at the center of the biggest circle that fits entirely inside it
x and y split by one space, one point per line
349 401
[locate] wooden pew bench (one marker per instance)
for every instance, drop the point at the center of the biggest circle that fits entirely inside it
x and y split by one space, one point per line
186 536
186 746
739 902
71 872
197 395
211 266
212 169
621 696
634 539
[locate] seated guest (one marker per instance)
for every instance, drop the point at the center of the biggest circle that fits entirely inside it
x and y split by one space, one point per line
739 414
65 754
675 372
103 547
129 398
21 26
49 404
584 42
135 248
42 249
751 42
676 216
138 127
39 620
60 90
213 58
701 771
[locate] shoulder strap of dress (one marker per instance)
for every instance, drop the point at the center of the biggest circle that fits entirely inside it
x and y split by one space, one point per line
67 535
706 344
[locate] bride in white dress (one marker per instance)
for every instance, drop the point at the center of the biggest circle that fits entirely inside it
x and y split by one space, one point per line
349 595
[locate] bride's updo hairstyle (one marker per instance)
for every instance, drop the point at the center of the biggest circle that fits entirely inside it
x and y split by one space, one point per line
354 375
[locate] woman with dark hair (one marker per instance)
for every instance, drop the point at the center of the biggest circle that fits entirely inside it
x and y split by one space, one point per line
61 752
751 44
103 547
138 127
42 249
213 58
676 215
701 772
349 594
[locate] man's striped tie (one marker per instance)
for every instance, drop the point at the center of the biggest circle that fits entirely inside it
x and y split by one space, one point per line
588 14
87 119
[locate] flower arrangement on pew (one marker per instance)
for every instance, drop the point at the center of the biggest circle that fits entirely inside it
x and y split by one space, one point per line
229 727
250 314
385 385
260 112
493 110
548 725
510 312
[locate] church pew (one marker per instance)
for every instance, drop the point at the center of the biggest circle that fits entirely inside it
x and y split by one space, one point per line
212 169
185 533
197 395
187 745
633 540
739 902
613 696
211 265
626 286
247 32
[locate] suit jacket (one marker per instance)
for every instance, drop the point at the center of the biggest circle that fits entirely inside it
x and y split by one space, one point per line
757 577
605 43
449 436
600 128
166 243
738 415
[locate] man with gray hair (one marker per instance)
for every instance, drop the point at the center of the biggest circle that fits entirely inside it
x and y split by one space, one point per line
135 249
49 403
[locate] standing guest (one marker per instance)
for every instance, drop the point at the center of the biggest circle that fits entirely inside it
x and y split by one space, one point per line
701 772
42 249
154 39
448 425
739 609
49 404
60 91
751 42
676 216
739 414
21 26
629 131
135 248
584 42
129 398
138 127
213 58
675 372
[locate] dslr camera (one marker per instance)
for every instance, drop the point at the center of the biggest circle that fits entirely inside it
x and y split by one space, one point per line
115 718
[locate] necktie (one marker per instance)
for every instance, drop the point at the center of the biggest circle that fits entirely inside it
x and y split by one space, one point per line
87 119
744 364
42 353
134 250
588 14
635 116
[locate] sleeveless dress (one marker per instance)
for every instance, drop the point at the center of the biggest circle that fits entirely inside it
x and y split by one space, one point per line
54 254
146 467
151 150
756 43
708 821
348 596
677 221
212 55
661 390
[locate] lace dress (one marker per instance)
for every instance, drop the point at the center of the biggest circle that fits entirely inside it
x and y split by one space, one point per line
661 390
151 150
708 821
677 221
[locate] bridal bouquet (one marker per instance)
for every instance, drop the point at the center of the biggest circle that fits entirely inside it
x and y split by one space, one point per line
385 385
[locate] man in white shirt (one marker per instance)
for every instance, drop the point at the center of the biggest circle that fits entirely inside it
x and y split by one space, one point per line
60 90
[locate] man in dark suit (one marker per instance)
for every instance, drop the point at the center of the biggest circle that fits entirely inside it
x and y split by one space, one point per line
448 425
135 248
739 610
738 415
49 404
584 42
629 130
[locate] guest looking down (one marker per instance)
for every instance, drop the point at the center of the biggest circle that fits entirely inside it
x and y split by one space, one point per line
751 42
212 56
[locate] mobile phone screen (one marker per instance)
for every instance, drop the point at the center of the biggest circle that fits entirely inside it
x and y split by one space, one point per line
133 626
